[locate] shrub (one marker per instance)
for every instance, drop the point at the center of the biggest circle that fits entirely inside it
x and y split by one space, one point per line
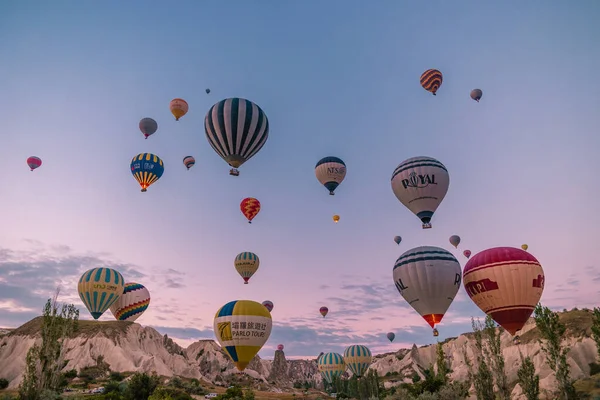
3 383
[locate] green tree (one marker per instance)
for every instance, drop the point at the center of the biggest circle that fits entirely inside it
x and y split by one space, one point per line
442 366
141 386
482 379
169 393
492 335
596 329
44 362
529 381
3 383
551 332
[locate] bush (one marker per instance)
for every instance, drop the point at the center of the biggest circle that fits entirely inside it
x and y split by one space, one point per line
116 376
169 393
3 383
70 374
594 369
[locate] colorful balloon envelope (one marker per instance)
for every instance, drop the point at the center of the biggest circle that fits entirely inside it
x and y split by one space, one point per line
242 327
506 283
280 347
146 168
132 303
246 264
336 218
331 366
391 336
323 311
421 183
330 171
236 129
357 359
250 207
397 239
148 126
34 162
454 240
476 94
428 278
189 162
99 288
178 107
431 80
467 253
268 305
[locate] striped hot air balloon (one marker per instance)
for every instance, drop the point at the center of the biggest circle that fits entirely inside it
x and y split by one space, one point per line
421 183
34 162
506 283
428 278
250 207
242 327
189 162
431 80
132 303
148 126
246 264
99 288
331 366
330 171
268 305
146 168
178 107
236 129
357 359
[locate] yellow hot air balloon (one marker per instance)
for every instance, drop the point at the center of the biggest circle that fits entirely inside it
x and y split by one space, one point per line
336 218
524 247
242 327
246 264
99 288
178 107
358 358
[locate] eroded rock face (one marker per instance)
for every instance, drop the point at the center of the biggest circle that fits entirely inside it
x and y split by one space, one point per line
132 347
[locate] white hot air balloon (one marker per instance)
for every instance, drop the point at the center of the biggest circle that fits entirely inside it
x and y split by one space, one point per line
421 183
132 303
330 172
428 278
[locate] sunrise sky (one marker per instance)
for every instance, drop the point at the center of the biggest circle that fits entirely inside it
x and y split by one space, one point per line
337 78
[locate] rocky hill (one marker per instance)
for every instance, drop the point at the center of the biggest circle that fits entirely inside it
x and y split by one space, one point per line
128 347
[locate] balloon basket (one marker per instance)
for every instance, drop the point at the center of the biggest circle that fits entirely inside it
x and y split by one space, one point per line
427 226
234 172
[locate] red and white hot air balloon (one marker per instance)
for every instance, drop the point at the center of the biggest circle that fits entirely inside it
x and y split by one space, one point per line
34 162
467 253
506 283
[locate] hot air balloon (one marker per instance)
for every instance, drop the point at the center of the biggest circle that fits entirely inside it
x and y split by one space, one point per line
331 366
236 129
189 162
467 253
250 207
280 347
336 218
246 264
99 288
421 183
454 240
148 126
242 327
146 168
268 305
178 107
34 162
323 311
330 171
132 303
524 247
428 278
431 80
391 336
357 359
476 94
397 239
506 283
207 90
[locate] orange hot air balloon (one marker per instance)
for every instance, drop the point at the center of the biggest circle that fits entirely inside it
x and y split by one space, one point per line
336 218
250 207
178 107
506 283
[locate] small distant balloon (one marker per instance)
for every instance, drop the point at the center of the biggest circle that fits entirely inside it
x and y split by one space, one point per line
397 239
189 162
336 218
431 80
280 347
323 311
524 247
207 90
391 336
476 94
330 172
250 207
148 126
246 264
178 107
268 305
146 168
467 253
455 240
34 162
